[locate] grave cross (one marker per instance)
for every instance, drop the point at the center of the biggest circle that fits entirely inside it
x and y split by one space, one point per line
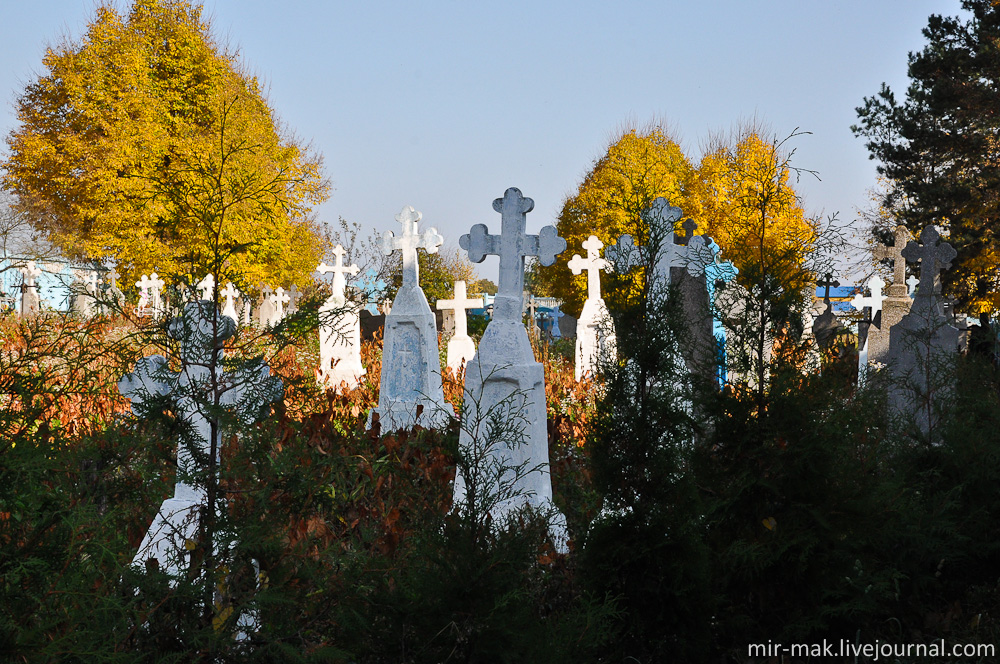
874 301
339 270
149 296
912 283
30 272
409 242
293 299
894 252
113 277
827 283
230 293
934 257
593 264
512 245
90 282
459 304
207 287
278 300
689 226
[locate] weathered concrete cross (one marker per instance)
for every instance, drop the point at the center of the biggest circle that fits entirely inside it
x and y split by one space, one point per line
512 245
593 264
339 270
894 252
409 242
458 305
934 257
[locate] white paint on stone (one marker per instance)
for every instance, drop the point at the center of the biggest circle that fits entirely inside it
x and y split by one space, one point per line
411 366
461 348
595 331
504 424
339 329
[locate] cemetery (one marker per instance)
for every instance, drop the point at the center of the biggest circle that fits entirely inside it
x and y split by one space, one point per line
655 428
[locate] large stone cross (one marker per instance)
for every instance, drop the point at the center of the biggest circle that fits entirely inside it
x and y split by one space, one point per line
512 245
409 242
339 270
894 252
30 272
207 287
934 257
593 264
459 304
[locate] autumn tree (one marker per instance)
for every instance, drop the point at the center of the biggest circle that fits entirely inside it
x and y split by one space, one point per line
939 149
145 141
639 166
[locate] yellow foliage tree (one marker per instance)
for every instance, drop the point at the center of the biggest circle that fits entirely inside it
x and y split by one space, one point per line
639 166
145 142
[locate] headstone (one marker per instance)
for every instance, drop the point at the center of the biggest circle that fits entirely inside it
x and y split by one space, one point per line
278 300
84 294
267 311
827 325
895 306
30 300
411 392
229 307
244 391
595 332
505 414
461 348
293 300
339 329
912 283
114 292
923 345
150 295
206 288
873 317
372 325
699 346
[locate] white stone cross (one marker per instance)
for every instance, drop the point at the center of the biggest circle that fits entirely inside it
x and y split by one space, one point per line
874 301
512 245
30 272
894 252
409 242
149 293
293 299
459 304
207 287
934 257
113 278
278 300
339 270
230 293
266 312
912 283
593 264
90 282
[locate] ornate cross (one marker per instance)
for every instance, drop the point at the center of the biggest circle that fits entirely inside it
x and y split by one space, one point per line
278 299
339 270
512 245
409 242
894 252
113 277
593 264
827 283
934 257
459 304
207 287
912 283
230 293
30 272
874 301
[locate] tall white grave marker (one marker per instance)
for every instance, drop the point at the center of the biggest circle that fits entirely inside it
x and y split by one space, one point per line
874 318
267 311
504 385
229 308
206 287
896 305
411 366
595 332
339 329
278 300
461 348
30 301
244 391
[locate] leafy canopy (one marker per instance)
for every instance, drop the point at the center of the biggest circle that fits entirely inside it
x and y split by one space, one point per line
146 142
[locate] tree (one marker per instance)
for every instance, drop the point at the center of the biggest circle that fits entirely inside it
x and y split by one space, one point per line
939 148
639 166
145 141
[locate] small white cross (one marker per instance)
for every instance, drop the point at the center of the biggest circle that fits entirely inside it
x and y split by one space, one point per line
278 299
339 269
912 283
593 264
409 242
894 252
459 304
207 287
30 272
113 277
874 301
230 293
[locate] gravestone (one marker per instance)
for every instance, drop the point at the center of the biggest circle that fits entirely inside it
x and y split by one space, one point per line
912 283
595 331
557 314
266 313
461 348
278 300
206 287
699 347
897 303
339 329
83 300
873 318
30 300
293 300
505 427
243 391
150 295
229 308
411 392
923 346
115 298
826 326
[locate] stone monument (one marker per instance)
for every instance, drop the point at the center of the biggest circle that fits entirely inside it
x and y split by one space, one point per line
190 391
229 308
896 305
873 317
339 329
411 392
30 301
461 348
504 430
265 315
826 326
595 331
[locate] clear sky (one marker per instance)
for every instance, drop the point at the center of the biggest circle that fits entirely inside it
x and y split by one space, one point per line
444 104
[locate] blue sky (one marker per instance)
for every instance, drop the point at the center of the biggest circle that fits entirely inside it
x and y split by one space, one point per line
443 104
